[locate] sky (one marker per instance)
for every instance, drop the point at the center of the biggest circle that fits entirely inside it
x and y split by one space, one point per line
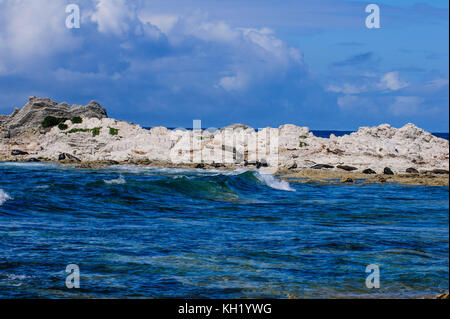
263 63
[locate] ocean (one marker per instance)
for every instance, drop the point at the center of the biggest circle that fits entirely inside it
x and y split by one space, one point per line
164 233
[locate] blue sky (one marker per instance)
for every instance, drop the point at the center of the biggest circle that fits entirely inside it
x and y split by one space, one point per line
263 63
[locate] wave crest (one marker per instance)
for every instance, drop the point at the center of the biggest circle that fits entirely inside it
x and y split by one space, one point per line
271 181
118 181
3 197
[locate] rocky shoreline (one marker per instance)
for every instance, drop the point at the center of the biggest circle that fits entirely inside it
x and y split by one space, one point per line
84 137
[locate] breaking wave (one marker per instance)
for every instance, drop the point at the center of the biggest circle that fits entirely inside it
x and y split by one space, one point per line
240 185
271 181
120 180
3 197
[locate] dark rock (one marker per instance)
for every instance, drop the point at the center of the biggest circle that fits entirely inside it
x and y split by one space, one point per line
293 166
321 166
201 165
347 180
246 163
336 151
217 165
17 152
369 171
412 170
388 171
263 163
439 171
347 168
69 157
442 296
72 158
33 160
381 179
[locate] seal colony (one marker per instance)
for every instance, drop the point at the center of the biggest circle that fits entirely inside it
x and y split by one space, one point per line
84 136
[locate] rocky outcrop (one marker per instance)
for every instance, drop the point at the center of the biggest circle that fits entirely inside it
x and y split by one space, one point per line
31 116
289 147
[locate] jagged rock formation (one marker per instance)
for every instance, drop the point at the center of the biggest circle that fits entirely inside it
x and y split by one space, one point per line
99 138
30 117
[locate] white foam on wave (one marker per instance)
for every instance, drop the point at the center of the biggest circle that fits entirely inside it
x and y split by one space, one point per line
174 171
266 179
29 165
16 277
3 197
120 180
271 181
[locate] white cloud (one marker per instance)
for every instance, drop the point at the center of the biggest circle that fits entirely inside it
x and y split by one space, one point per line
350 102
391 81
113 16
165 23
246 56
33 29
346 88
406 105
436 84
234 83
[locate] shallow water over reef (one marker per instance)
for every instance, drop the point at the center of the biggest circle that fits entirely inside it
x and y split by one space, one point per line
158 232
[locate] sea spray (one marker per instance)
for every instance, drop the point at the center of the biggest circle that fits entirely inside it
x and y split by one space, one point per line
118 181
271 181
3 197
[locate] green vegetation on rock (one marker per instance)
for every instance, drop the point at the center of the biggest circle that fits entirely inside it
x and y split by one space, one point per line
62 126
51 121
113 131
96 131
77 120
76 130
302 144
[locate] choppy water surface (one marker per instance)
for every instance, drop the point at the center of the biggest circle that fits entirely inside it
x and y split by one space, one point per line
148 232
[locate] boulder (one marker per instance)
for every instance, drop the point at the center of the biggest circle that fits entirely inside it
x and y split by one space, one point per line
263 163
439 171
321 166
347 180
347 168
369 171
293 166
388 171
18 152
381 179
68 157
412 170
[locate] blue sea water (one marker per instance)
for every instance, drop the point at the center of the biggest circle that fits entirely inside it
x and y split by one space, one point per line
156 233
